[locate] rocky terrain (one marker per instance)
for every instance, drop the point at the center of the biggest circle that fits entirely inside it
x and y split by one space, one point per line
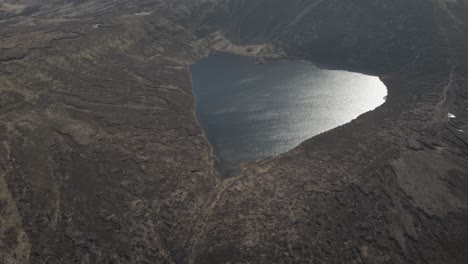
102 159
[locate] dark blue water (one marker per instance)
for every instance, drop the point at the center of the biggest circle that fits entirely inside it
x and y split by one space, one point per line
252 111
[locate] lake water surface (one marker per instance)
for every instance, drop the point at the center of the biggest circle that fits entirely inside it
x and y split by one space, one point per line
253 111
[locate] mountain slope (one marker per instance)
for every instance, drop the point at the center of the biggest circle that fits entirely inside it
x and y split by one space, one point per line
102 159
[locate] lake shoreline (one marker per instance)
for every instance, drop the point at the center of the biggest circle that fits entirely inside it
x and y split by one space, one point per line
256 97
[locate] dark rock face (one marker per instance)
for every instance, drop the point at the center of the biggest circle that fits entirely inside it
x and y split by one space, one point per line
370 35
102 160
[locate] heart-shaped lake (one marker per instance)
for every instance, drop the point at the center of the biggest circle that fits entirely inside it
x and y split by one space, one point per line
252 111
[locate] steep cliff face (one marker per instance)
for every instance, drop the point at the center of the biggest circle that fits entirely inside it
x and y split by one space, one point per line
371 35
